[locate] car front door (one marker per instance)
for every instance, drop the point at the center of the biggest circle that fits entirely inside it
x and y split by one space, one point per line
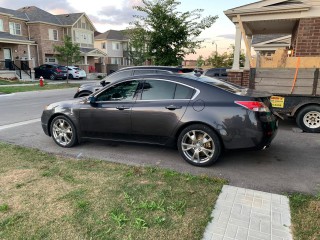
159 109
109 117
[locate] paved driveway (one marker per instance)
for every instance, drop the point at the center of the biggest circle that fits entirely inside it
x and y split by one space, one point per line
291 164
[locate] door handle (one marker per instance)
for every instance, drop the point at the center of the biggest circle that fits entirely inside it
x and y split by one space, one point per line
173 107
122 108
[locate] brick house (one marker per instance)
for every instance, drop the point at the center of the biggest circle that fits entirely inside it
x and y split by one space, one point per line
27 37
299 20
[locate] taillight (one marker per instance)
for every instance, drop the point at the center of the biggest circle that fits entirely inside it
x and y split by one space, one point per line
58 70
254 106
180 71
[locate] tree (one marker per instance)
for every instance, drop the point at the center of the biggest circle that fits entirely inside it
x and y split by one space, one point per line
169 35
200 61
68 53
225 59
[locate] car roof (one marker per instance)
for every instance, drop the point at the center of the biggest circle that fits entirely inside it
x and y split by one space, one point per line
152 67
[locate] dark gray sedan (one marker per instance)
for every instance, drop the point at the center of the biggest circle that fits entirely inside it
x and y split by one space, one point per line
201 116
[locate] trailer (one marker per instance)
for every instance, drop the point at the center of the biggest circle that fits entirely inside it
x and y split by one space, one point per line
296 94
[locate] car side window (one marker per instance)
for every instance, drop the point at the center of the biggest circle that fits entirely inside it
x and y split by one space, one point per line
118 75
183 92
124 91
157 90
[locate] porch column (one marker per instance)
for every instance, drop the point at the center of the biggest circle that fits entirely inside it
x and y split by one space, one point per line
247 63
28 52
85 59
237 48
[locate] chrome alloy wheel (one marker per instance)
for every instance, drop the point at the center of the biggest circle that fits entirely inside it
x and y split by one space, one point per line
198 146
312 119
62 132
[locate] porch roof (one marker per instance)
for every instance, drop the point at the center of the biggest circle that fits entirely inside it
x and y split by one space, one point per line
92 52
6 37
273 16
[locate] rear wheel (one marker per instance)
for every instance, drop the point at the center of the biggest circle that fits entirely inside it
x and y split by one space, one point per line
70 76
199 145
63 131
52 77
308 119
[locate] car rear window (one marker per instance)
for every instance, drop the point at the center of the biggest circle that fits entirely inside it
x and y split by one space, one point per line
220 84
62 68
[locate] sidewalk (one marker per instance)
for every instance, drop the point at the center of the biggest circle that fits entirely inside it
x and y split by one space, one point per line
36 82
244 214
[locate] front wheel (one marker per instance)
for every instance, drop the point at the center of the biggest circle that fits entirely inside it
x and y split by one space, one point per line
308 119
63 132
199 145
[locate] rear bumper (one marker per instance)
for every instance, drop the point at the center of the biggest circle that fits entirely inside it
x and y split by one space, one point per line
256 135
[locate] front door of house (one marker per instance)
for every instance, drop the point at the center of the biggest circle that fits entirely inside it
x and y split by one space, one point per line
7 57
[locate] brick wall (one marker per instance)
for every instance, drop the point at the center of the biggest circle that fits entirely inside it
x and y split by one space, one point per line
306 38
240 78
235 77
40 33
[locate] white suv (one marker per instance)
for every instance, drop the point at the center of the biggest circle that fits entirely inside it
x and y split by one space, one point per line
76 73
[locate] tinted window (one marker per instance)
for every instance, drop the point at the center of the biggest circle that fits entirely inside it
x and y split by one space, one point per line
62 68
155 90
183 92
118 75
120 92
221 84
163 72
143 71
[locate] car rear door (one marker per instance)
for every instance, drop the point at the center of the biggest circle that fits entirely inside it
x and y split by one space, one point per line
158 110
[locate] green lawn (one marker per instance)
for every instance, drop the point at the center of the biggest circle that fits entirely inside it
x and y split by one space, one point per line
305 216
36 87
43 196
11 82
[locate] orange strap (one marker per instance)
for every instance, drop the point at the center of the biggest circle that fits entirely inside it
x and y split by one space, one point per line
295 75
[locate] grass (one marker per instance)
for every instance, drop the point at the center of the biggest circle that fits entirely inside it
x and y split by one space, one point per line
44 196
15 81
14 89
305 215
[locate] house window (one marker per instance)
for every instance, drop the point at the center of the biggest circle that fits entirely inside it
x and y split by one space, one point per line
51 60
53 34
116 61
15 28
103 45
1 25
116 46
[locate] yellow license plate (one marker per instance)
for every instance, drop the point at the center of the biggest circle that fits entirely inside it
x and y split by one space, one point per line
277 102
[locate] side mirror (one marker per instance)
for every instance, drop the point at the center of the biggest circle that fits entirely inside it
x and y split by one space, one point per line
92 99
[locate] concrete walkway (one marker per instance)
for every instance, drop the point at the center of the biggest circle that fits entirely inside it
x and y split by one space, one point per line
245 214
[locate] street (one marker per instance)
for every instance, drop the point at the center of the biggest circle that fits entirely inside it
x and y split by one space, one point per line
291 164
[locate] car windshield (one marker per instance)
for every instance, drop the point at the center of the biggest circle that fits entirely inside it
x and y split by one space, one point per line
219 83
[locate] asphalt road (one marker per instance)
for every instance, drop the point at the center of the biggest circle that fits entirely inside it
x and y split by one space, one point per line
291 164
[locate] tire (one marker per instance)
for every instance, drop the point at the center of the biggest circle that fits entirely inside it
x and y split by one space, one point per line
194 150
52 77
308 119
63 132
70 76
84 94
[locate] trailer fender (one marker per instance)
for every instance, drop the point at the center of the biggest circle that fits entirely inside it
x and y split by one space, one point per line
297 108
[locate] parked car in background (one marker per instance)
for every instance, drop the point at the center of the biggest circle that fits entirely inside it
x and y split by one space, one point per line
202 116
220 73
76 72
87 89
51 71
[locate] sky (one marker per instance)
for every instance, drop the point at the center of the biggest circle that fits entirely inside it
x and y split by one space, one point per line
117 14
